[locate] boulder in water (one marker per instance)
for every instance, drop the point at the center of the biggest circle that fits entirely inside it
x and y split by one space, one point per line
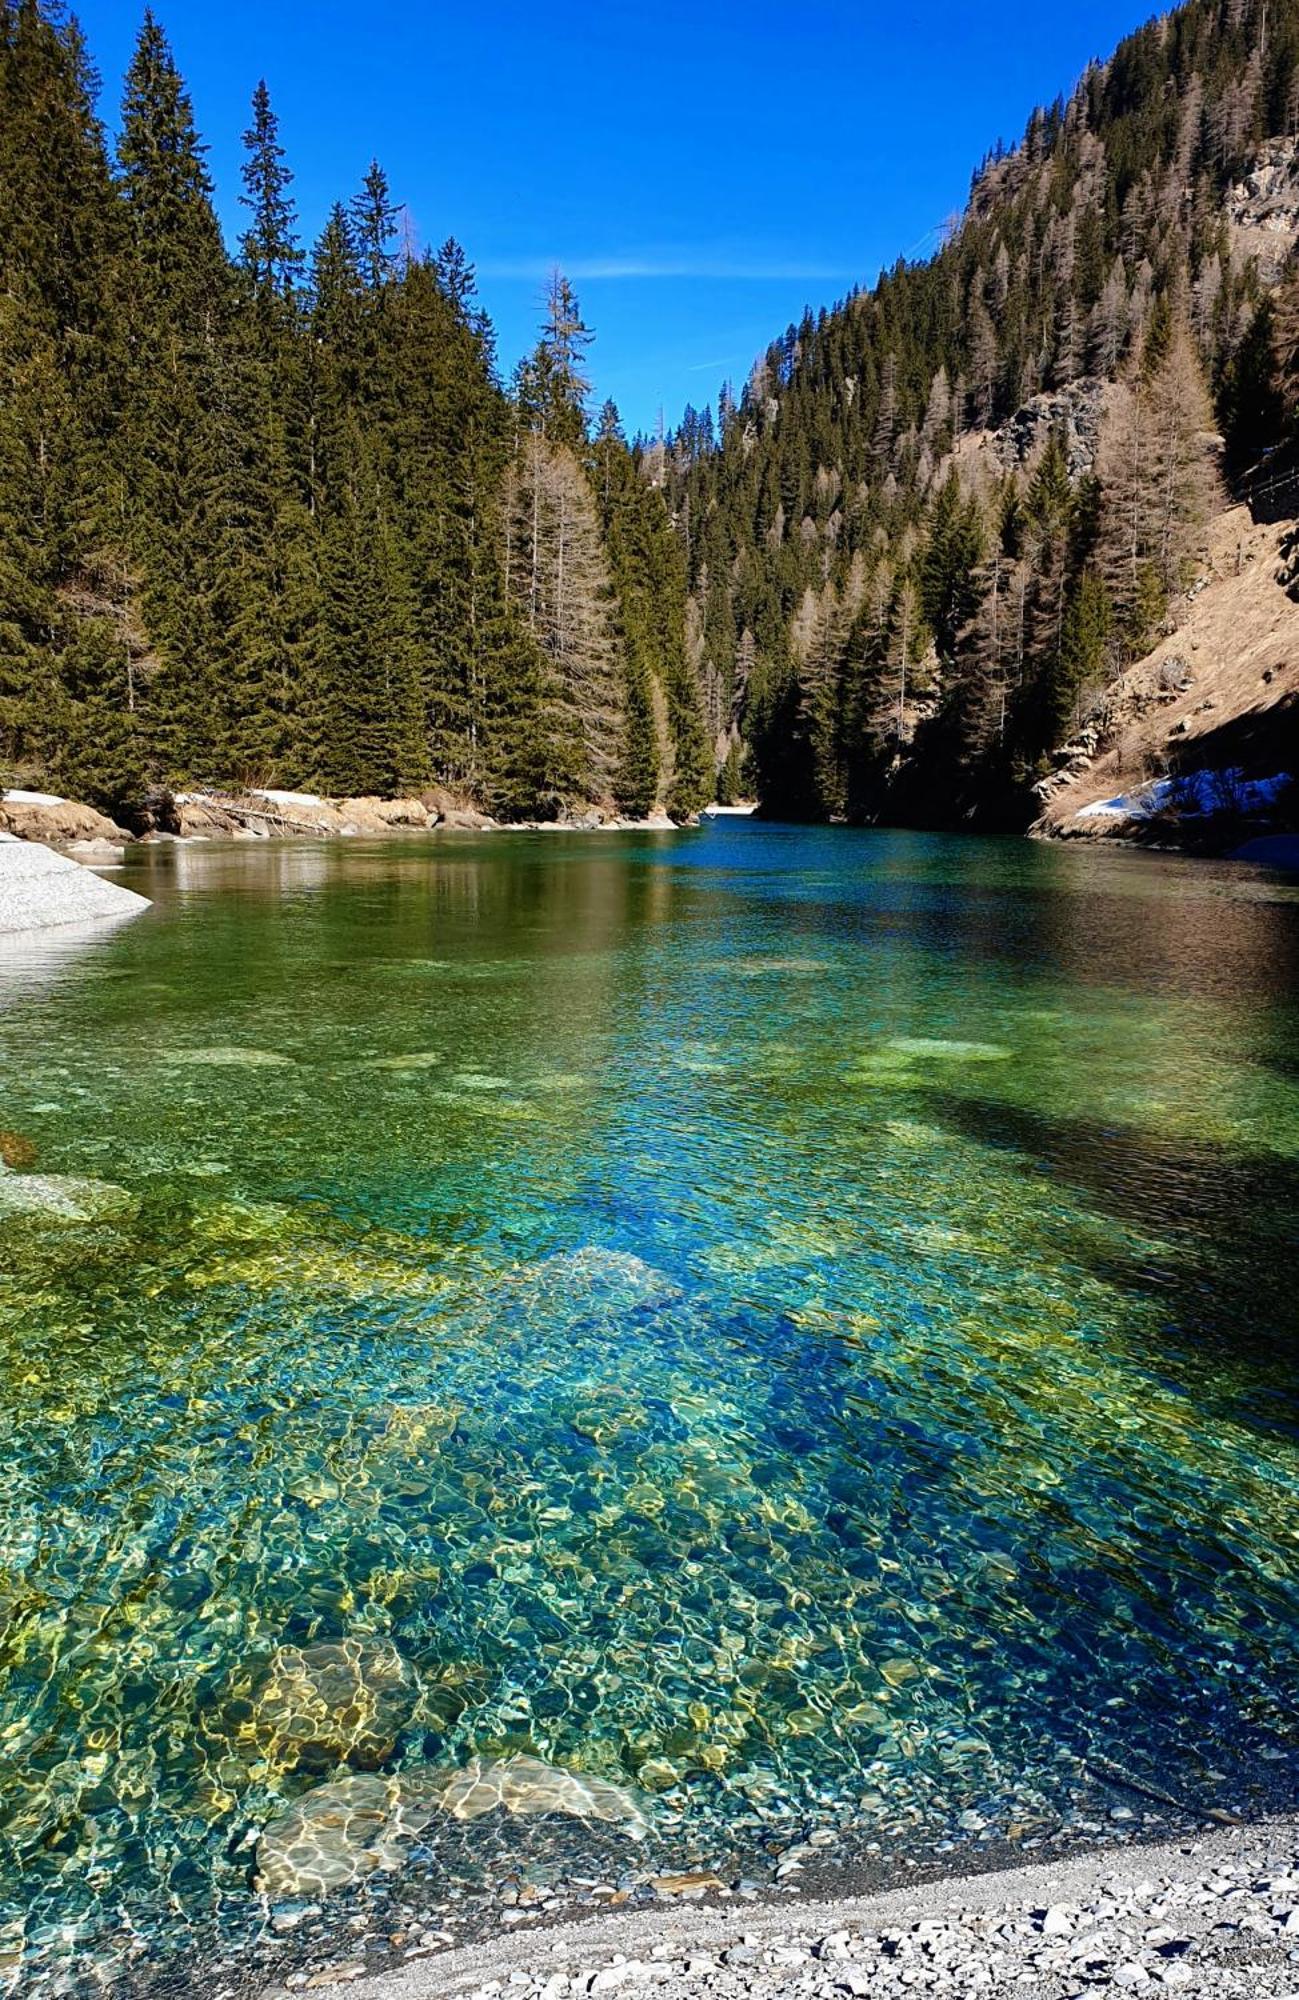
340 1833
41 890
64 1199
334 1836
343 1701
528 1788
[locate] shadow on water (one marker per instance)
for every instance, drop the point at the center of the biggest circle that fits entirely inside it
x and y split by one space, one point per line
1229 1217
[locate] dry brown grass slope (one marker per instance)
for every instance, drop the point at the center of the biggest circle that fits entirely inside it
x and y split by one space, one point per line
1220 691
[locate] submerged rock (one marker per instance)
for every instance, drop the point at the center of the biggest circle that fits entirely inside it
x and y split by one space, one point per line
65 1198
606 1272
417 1059
340 1833
343 1701
335 1836
527 1788
933 1049
228 1057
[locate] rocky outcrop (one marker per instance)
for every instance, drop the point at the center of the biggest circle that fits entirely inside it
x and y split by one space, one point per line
267 814
207 815
1076 410
1192 743
40 890
44 816
1263 208
458 814
263 813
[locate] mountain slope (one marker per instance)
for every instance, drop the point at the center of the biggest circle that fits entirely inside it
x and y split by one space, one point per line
1203 726
943 517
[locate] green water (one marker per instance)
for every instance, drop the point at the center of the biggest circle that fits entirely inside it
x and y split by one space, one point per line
799 1324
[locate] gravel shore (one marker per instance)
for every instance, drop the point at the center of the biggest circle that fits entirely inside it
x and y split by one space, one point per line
1209 1917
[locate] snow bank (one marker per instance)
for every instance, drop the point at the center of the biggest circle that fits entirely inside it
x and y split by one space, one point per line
1199 794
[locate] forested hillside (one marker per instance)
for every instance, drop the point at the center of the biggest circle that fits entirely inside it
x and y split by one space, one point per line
270 517
268 514
945 515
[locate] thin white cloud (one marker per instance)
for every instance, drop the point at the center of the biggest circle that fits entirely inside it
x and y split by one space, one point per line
600 269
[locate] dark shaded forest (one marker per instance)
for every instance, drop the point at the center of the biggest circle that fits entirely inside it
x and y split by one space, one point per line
271 517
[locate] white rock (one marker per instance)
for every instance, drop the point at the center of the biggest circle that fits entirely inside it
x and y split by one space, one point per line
41 890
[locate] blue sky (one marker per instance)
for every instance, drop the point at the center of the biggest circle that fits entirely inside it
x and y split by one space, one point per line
702 171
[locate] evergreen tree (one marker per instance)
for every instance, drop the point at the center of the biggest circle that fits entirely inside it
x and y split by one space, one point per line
270 245
168 193
373 217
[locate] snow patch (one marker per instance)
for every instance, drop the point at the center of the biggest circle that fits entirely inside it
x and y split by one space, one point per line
16 798
1199 794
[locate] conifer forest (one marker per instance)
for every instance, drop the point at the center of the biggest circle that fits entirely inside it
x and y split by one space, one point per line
269 514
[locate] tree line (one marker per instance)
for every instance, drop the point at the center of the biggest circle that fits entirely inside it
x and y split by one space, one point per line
271 517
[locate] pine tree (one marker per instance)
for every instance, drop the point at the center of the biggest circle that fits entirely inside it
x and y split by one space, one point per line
552 386
168 192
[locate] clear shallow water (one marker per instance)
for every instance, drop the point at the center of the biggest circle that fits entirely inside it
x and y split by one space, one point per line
800 1324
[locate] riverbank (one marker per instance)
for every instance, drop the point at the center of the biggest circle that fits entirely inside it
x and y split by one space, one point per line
1210 1916
264 815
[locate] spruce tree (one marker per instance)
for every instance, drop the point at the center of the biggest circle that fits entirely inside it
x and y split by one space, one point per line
271 251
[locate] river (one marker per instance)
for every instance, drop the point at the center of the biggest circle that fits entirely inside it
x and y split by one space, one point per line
798 1325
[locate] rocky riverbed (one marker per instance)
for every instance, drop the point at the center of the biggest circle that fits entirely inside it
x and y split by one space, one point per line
1209 1917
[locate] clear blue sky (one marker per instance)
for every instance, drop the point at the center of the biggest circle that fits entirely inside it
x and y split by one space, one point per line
702 170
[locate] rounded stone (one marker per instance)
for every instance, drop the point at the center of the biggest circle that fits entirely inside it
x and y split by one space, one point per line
342 1701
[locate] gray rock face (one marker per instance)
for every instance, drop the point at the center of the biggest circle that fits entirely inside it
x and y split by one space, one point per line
40 890
1263 208
1076 410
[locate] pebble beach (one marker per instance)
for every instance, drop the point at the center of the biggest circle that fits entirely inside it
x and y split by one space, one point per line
1209 1917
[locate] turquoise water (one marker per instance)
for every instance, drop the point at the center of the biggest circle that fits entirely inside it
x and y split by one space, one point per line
797 1325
